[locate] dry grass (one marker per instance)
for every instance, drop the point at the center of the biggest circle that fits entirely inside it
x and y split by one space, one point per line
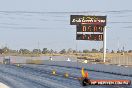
100 55
34 61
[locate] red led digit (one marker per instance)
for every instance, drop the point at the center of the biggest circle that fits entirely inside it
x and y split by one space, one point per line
83 28
89 28
83 37
95 37
101 29
88 37
95 28
100 37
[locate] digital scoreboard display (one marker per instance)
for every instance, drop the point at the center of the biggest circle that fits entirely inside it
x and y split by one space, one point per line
82 19
92 37
89 28
95 25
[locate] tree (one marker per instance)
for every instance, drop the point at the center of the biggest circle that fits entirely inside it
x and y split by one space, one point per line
51 51
69 50
5 50
55 52
24 51
119 51
63 51
112 51
107 50
36 51
94 51
101 50
86 51
74 51
45 51
1 51
129 51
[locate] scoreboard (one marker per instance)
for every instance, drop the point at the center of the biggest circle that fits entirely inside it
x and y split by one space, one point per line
92 37
93 24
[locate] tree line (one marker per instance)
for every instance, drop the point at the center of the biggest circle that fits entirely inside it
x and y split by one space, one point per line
6 50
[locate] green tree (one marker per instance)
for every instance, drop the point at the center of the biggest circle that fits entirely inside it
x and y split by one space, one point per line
1 51
51 51
45 50
86 51
5 50
129 51
118 51
36 51
69 50
112 51
101 50
74 51
24 51
94 51
63 51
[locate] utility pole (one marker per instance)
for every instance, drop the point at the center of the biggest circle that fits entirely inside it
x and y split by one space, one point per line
38 48
76 54
104 44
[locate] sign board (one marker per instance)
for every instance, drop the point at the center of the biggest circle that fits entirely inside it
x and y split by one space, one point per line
89 28
82 19
92 37
93 24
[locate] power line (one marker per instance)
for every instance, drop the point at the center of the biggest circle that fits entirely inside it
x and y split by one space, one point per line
37 12
33 28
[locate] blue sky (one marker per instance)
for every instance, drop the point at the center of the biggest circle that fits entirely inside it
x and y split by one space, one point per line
24 23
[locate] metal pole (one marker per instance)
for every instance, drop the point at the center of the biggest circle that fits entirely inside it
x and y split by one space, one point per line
104 44
76 46
38 49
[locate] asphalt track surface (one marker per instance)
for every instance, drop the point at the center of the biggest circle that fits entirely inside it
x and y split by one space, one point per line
39 76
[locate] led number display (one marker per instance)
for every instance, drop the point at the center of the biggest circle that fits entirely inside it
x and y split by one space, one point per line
92 37
90 28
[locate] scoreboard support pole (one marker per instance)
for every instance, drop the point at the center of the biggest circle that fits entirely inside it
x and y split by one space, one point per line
104 44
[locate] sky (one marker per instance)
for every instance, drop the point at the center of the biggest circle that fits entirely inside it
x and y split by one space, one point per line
32 24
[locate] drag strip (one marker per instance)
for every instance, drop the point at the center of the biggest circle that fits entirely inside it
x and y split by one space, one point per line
40 79
39 76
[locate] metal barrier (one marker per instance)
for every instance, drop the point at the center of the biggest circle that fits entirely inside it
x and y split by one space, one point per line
122 60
